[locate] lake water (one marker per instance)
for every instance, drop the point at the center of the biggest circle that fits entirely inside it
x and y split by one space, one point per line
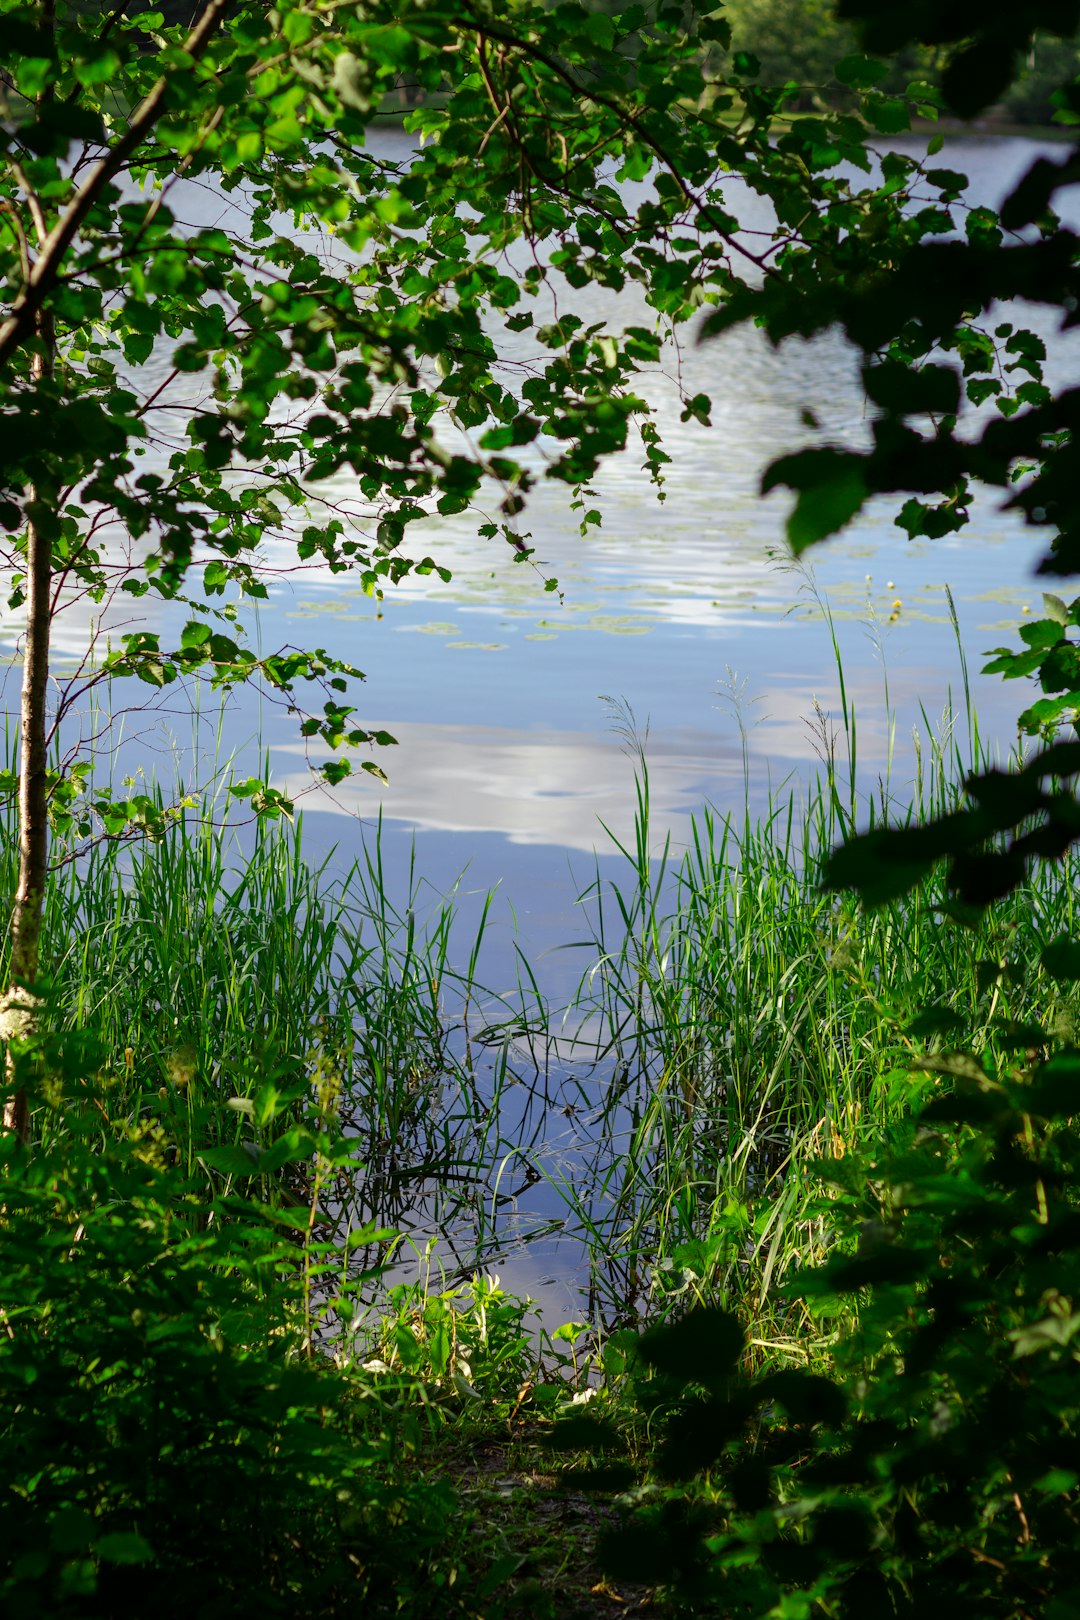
510 764
509 761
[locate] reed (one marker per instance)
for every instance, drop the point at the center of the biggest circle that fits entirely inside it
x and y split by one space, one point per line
734 1025
225 977
737 1024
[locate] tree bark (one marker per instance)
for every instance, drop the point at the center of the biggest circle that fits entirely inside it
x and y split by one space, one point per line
19 1001
17 1006
30 317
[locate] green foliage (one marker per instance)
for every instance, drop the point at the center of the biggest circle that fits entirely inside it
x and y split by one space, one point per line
1048 64
932 1461
167 1441
795 42
1016 818
924 318
762 1022
228 982
163 1405
750 1022
813 48
366 359
1052 658
930 301
857 1439
468 1342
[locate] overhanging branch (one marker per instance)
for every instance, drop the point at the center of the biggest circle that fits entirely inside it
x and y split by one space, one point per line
20 323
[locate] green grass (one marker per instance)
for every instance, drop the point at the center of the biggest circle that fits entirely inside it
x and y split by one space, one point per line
734 1024
222 980
742 1024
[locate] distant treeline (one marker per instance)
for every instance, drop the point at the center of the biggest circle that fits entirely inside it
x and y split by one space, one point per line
801 41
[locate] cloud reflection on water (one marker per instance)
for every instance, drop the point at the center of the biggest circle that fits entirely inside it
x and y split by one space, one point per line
551 788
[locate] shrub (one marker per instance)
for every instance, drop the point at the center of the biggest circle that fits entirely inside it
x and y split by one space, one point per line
937 1463
169 1442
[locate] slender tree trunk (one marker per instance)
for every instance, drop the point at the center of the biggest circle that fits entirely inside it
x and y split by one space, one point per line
18 1004
17 1007
29 319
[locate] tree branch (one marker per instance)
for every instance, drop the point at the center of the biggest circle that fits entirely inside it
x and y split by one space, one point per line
20 323
626 115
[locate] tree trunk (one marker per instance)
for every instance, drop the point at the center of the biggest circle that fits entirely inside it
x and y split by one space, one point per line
30 318
18 1004
17 1008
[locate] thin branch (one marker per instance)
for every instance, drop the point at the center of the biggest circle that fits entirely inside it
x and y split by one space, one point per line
20 237
33 202
626 116
20 323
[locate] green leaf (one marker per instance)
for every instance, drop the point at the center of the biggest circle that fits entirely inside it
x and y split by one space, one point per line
884 864
232 1160
352 81
831 488
1051 1333
704 1347
1054 1091
935 1021
20 37
908 390
1061 959
124 1547
888 114
196 633
600 30
979 75
806 1397
295 1146
1042 633
861 72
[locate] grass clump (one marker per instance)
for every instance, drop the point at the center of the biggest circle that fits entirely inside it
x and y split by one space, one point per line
926 1457
743 1024
224 982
